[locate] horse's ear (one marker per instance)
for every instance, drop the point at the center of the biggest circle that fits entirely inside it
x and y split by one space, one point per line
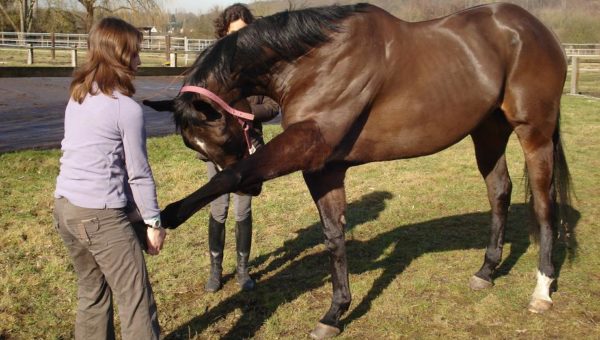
160 105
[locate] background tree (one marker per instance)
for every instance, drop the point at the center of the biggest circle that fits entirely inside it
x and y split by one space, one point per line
147 8
57 19
574 21
25 10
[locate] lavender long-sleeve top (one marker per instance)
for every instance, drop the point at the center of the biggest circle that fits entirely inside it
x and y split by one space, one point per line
104 155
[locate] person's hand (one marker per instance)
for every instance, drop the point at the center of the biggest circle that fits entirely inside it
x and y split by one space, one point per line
155 238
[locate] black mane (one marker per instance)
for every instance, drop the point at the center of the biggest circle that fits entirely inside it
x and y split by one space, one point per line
286 36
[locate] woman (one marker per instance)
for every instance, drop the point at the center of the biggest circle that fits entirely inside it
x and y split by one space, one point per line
232 19
104 175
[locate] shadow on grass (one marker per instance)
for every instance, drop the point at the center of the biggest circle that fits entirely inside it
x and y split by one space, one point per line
297 275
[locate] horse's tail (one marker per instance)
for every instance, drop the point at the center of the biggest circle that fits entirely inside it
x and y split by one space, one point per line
561 190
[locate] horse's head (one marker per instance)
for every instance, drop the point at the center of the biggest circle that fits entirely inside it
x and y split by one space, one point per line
207 120
208 125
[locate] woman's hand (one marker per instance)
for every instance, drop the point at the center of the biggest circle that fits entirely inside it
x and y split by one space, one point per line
155 238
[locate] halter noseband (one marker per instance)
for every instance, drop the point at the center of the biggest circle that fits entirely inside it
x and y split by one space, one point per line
244 118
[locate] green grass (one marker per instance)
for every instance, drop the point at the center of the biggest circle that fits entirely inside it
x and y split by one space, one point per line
417 232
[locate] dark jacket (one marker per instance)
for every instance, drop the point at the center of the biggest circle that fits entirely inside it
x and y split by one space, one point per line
264 109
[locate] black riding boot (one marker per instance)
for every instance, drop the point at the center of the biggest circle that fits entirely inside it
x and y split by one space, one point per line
243 242
216 243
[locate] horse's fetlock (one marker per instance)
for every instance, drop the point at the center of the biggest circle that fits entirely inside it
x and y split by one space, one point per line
493 256
344 306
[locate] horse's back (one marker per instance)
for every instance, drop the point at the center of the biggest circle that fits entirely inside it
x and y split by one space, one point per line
445 76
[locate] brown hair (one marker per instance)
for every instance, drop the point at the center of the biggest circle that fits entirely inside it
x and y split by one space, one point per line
229 15
112 45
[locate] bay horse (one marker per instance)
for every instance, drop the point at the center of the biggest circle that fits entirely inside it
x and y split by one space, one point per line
358 85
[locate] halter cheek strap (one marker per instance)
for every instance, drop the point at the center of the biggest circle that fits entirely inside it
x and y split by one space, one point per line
216 99
244 118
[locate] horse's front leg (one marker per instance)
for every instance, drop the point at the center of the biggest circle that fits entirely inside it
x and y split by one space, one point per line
300 147
327 189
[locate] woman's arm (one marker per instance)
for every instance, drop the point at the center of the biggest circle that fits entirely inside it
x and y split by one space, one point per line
263 108
140 179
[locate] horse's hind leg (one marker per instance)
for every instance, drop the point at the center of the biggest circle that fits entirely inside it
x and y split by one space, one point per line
539 159
490 139
327 189
534 123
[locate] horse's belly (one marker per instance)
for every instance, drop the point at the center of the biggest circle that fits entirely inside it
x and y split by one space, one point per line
388 136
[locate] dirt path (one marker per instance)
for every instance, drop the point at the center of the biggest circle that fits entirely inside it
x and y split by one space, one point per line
32 109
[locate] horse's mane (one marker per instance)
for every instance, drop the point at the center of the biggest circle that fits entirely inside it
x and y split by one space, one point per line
283 36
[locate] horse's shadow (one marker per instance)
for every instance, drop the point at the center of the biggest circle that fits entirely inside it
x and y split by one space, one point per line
468 231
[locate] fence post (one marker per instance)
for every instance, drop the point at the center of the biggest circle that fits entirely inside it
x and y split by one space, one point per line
185 43
53 44
173 60
30 54
574 74
74 57
168 46
186 48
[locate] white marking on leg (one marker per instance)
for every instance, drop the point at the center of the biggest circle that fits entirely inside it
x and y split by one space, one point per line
542 289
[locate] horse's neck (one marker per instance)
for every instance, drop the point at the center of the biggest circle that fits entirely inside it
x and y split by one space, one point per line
261 87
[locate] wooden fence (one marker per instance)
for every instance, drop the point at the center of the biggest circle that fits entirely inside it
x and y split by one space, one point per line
575 70
74 42
79 41
177 47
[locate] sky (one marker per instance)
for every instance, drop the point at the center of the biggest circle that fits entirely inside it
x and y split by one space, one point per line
198 6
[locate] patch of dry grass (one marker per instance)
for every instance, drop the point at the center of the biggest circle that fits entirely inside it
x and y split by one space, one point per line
417 232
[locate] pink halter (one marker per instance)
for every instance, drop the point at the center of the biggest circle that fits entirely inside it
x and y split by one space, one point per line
244 118
216 99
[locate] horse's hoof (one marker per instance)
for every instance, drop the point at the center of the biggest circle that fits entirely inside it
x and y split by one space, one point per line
539 306
323 331
477 283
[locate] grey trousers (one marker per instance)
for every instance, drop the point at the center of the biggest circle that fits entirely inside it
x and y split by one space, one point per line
108 259
219 206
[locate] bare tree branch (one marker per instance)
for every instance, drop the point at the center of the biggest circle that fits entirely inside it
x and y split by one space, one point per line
12 23
114 6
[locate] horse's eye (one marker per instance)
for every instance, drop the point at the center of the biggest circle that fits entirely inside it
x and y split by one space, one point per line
206 110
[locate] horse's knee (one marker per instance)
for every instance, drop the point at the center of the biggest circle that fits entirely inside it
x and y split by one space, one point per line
333 246
335 243
504 193
227 179
499 192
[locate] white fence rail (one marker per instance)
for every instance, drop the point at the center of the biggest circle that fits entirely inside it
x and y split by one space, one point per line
79 41
43 40
582 49
173 44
